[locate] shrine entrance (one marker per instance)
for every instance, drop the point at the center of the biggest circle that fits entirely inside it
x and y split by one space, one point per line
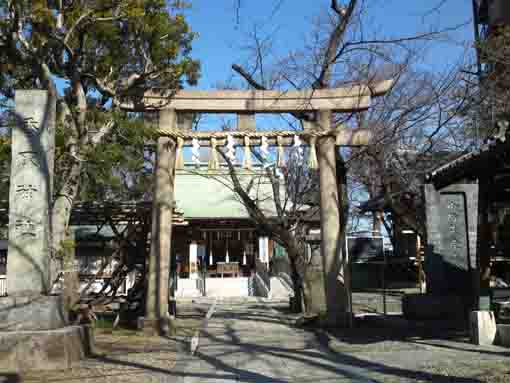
314 108
216 259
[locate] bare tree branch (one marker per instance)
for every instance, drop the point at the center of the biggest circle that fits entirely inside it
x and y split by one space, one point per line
249 79
335 38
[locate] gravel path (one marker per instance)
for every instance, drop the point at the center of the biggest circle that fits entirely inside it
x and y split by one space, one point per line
254 341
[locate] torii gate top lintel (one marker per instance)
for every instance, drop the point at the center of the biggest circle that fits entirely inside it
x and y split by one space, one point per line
246 103
344 99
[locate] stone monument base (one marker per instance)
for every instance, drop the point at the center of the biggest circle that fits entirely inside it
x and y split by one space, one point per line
44 350
483 327
32 313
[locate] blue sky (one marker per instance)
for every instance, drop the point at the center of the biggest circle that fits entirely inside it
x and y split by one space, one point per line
223 35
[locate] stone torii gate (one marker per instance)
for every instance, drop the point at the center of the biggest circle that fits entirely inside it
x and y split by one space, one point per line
174 131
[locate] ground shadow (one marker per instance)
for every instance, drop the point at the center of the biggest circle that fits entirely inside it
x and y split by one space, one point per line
10 378
228 352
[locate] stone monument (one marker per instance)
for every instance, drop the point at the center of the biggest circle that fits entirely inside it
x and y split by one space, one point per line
452 227
33 142
450 256
33 331
28 306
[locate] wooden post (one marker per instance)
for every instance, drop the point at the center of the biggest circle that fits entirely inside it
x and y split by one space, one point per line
334 278
483 245
156 305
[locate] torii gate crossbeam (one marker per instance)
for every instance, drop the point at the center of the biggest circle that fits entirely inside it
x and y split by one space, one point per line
350 98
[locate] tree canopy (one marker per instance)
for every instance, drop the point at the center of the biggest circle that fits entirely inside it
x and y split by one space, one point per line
95 57
113 48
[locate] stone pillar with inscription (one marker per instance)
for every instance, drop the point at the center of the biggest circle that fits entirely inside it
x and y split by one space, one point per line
452 223
28 305
450 261
33 142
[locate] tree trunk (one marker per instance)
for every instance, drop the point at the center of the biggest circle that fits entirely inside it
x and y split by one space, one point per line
313 281
343 195
60 216
297 282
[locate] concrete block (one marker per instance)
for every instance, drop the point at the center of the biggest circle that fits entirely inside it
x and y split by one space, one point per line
483 327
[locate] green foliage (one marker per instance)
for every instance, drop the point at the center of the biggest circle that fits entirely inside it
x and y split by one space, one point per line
118 168
112 39
108 53
68 244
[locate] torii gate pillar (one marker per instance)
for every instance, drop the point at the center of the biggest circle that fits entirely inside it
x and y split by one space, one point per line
157 318
337 292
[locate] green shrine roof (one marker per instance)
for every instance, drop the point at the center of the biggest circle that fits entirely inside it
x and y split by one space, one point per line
199 194
203 193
